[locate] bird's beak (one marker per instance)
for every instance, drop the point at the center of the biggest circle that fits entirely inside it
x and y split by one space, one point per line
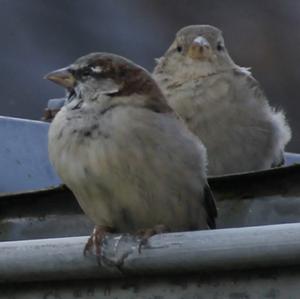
62 77
200 48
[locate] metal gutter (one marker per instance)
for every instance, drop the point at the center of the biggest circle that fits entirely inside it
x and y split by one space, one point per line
236 263
201 251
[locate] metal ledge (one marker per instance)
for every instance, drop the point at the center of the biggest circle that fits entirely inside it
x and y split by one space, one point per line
197 252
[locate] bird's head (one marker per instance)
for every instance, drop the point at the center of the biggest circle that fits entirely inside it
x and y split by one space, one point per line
107 76
198 50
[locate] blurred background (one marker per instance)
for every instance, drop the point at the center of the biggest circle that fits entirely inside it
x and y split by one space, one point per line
40 36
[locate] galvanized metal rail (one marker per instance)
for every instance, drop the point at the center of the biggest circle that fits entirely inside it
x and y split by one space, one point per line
176 253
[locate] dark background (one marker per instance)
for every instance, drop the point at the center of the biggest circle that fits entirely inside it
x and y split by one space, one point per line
40 36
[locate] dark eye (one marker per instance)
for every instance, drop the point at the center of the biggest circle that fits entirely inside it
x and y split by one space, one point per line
86 71
220 47
179 49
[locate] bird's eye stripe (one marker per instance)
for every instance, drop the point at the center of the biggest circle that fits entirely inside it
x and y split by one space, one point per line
96 69
89 70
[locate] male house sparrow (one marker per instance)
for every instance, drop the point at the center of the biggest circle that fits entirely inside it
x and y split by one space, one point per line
221 103
127 157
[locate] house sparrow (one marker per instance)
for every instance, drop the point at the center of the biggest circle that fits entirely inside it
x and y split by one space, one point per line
221 103
128 158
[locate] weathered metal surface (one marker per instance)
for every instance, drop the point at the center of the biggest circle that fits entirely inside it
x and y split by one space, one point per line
258 198
176 253
24 156
266 284
43 214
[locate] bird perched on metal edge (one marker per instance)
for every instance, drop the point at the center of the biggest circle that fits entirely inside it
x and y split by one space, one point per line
131 162
221 103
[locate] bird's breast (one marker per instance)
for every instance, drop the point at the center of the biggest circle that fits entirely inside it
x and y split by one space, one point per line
146 168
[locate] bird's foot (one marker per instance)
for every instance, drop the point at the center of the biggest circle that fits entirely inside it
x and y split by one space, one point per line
146 234
96 239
